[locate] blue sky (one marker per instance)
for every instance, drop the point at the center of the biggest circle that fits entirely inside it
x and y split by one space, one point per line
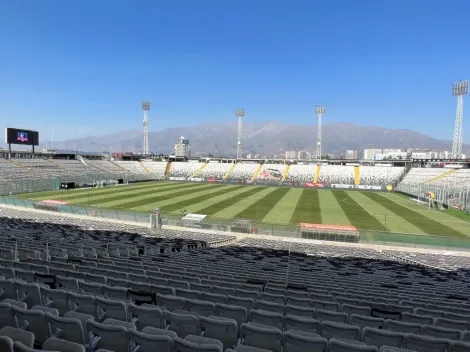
81 67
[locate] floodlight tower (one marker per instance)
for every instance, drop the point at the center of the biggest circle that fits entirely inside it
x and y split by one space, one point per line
145 146
240 113
459 89
319 110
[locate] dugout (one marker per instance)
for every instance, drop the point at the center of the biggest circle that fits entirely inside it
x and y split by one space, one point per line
243 226
51 205
195 221
337 233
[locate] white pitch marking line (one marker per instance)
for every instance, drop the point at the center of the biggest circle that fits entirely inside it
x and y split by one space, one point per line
360 205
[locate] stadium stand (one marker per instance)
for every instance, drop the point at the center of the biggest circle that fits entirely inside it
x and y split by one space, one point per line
301 173
156 168
74 284
215 170
132 166
334 174
417 176
379 176
107 166
184 170
244 172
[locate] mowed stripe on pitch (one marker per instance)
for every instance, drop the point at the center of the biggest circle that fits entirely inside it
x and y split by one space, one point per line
235 208
263 205
357 215
79 193
283 210
117 196
149 200
308 208
331 211
392 222
228 200
426 224
161 203
142 194
441 216
186 202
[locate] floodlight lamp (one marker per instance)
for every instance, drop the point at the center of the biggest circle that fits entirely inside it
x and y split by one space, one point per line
146 105
240 112
319 110
460 88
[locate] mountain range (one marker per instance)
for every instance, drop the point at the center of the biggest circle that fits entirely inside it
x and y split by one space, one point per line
262 138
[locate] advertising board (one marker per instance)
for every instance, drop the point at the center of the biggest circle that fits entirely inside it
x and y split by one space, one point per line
20 136
195 179
177 178
315 185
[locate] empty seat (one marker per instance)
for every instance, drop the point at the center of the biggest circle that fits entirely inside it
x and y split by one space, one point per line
379 338
223 329
114 309
337 345
426 343
418 319
327 315
55 344
171 303
203 308
301 323
149 342
443 333
399 326
237 313
70 329
266 318
452 324
325 305
295 310
85 304
353 309
268 338
248 303
191 346
26 338
330 329
110 337
34 321
183 324
92 288
146 315
300 341
270 306
29 293
364 321
213 297
57 299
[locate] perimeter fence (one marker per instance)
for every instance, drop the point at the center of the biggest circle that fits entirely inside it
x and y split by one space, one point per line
287 230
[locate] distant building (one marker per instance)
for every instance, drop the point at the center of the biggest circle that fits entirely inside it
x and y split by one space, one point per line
391 151
182 148
292 154
302 155
351 154
369 154
445 155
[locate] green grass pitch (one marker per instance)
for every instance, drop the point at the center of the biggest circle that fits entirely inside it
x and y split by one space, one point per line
368 211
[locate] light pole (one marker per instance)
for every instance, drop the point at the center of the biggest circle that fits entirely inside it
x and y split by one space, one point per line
319 110
240 113
459 89
146 108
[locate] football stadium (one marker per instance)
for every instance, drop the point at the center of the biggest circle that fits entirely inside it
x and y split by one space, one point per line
259 236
